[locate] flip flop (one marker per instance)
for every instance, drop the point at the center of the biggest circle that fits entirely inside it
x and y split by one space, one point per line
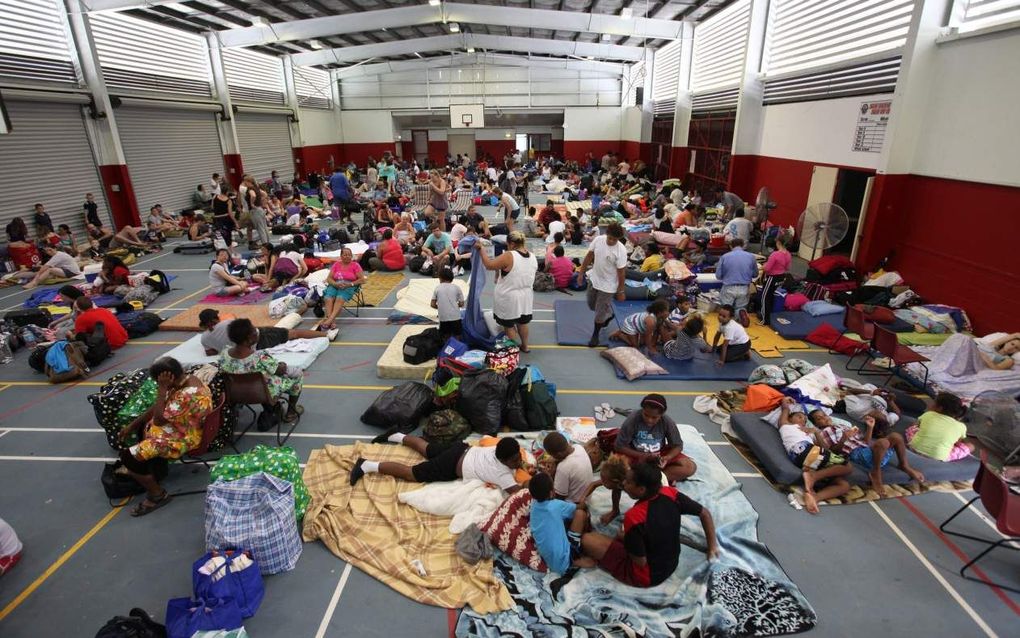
607 410
142 509
600 414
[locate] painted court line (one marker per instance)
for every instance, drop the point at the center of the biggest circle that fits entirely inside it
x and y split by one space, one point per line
6 611
935 574
976 510
60 459
331 608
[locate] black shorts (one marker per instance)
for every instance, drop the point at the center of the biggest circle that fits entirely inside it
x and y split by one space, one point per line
510 323
448 328
441 464
156 467
271 337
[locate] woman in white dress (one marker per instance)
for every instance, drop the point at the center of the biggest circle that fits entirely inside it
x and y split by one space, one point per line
513 297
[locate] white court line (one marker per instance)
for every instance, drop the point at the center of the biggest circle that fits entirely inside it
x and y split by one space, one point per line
331 608
87 459
718 442
746 475
2 434
973 508
935 574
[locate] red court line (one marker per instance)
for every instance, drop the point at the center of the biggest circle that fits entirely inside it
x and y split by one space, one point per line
961 555
68 386
356 365
451 620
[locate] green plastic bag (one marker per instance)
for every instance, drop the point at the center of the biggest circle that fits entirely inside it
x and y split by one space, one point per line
142 399
281 462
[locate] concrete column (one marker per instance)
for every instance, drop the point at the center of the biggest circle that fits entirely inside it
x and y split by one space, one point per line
647 113
100 124
225 120
750 109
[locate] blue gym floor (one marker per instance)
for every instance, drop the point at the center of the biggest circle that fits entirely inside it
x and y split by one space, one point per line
868 569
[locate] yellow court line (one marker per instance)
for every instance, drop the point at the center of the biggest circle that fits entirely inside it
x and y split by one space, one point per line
5 386
177 301
66 556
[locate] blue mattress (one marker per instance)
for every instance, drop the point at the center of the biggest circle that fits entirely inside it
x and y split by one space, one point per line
800 324
764 441
574 323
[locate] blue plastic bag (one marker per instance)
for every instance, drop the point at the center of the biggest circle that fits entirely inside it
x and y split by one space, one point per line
245 587
184 616
453 348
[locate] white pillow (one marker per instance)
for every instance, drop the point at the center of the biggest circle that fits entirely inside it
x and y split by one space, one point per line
820 385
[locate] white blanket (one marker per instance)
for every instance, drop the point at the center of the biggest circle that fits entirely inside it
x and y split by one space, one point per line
192 353
466 501
416 297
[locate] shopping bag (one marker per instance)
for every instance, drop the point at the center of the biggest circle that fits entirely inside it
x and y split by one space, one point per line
185 617
230 579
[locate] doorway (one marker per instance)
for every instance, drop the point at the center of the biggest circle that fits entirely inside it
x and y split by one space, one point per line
420 141
521 144
822 189
461 144
852 188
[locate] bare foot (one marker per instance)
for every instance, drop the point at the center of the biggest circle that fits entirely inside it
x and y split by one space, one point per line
914 474
810 502
584 562
876 484
809 480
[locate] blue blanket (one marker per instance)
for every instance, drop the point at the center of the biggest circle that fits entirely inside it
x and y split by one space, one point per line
744 593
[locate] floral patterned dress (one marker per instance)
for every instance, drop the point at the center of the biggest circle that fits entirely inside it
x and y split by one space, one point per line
185 411
260 361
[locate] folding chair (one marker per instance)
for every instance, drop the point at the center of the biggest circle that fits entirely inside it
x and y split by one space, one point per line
246 389
855 321
1003 504
211 427
886 343
357 302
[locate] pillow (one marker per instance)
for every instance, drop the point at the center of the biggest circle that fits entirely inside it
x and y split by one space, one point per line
768 374
819 385
819 308
633 364
761 397
666 239
795 301
509 529
828 263
827 336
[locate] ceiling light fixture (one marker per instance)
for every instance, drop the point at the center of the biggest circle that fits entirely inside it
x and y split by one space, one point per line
470 49
260 21
606 37
315 44
627 13
454 27
434 3
176 6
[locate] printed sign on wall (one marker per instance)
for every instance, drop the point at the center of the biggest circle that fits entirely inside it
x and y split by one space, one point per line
872 119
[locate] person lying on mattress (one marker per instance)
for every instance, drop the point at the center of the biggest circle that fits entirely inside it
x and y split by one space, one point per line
735 343
805 449
999 353
648 550
872 450
938 432
644 328
648 435
494 464
215 330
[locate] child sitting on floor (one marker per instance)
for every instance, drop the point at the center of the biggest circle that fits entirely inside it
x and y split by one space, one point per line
643 327
558 546
561 268
803 447
736 345
938 432
687 341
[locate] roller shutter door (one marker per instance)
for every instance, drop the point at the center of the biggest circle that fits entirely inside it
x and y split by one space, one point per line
264 139
47 159
169 152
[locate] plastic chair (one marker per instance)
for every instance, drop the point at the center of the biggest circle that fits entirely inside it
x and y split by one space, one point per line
888 345
211 427
855 321
1003 504
243 390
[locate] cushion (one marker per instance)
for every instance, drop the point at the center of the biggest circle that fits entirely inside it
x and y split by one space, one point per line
877 314
819 385
632 362
826 264
761 397
768 374
827 336
819 308
666 239
795 301
509 529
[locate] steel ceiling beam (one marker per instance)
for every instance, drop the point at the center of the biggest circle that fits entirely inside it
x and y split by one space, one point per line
419 15
463 41
486 59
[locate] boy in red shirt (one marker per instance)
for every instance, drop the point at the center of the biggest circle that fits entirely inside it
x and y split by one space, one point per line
89 316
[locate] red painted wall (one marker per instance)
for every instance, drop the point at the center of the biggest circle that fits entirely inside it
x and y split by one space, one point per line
358 153
322 158
407 148
122 202
496 148
438 150
576 149
629 151
556 148
234 169
679 161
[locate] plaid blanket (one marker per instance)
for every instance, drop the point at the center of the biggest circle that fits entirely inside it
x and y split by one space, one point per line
368 527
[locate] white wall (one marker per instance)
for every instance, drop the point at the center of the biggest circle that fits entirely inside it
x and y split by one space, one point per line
592 123
319 127
821 131
488 133
367 126
971 126
631 124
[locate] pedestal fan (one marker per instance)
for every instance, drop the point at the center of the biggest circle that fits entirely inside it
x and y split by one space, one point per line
822 226
763 206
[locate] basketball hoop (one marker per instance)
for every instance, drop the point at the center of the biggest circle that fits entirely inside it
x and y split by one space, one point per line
466 119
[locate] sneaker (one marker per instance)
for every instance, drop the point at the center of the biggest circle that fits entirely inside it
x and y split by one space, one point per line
332 333
384 438
357 472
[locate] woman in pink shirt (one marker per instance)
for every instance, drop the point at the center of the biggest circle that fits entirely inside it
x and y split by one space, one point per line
344 282
773 273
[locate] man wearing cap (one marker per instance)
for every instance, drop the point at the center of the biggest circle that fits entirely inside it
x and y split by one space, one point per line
606 269
214 336
649 436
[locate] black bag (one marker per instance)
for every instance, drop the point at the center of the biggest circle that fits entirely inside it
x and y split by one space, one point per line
482 394
29 316
402 406
158 281
339 234
37 358
97 347
118 485
367 234
415 263
137 624
139 323
513 409
199 247
112 397
539 406
423 346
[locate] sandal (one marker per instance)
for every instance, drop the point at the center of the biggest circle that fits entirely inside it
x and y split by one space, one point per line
294 414
607 411
600 414
148 507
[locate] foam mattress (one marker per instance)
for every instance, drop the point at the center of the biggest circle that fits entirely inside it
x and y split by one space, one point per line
192 353
391 364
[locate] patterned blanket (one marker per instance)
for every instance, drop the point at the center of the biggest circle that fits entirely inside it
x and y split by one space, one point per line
745 593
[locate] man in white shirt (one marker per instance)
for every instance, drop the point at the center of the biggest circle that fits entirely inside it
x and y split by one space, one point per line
492 174
739 228
573 472
511 209
606 265
555 226
495 465
214 185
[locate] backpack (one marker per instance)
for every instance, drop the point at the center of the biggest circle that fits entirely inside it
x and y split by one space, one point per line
158 281
339 234
97 346
539 405
544 282
75 352
139 324
137 624
422 347
415 263
367 234
37 358
445 427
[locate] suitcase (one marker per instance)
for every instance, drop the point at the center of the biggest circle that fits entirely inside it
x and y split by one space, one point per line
199 247
29 316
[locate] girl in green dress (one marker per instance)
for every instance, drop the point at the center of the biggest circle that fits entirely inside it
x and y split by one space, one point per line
243 358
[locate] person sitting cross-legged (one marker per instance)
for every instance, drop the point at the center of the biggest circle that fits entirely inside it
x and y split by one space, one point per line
549 518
